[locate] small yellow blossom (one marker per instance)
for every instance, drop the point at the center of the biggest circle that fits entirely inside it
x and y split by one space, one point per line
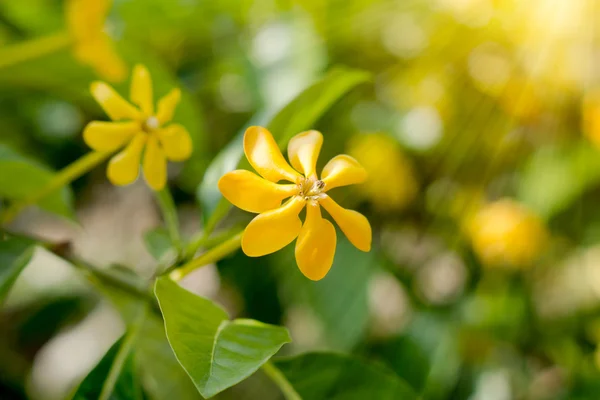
507 234
591 117
138 130
392 184
92 46
278 225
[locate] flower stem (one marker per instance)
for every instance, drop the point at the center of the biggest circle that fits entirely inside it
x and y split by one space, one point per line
33 48
202 240
281 381
122 354
169 213
62 178
211 256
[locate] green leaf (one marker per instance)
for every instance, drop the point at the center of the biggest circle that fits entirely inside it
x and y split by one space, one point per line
298 115
555 177
127 387
332 376
20 177
158 243
15 254
215 352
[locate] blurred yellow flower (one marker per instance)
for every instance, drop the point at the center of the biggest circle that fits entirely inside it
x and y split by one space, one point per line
278 225
505 233
591 117
92 46
392 184
141 132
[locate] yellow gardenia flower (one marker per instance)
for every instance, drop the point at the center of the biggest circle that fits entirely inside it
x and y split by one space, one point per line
278 225
92 46
506 234
591 117
139 130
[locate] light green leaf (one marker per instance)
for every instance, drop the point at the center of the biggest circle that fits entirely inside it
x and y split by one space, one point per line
15 254
127 386
215 352
299 115
20 177
554 177
158 243
332 376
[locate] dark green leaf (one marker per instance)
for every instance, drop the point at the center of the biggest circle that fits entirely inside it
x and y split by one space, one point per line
331 376
216 353
300 114
21 177
127 386
15 254
158 243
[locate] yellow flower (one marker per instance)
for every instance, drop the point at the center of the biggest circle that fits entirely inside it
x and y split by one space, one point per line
591 117
392 184
278 225
507 234
139 130
92 46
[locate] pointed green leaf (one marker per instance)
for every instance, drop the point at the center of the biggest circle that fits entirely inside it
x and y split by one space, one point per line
332 376
127 385
15 254
215 352
21 176
299 115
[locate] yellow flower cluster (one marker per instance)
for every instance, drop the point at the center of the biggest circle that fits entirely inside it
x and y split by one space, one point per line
92 46
278 225
506 234
140 130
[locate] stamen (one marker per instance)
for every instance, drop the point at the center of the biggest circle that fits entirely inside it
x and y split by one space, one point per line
152 123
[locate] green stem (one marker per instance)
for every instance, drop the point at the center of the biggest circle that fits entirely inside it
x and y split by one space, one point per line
62 178
281 381
169 213
33 48
211 256
201 240
117 366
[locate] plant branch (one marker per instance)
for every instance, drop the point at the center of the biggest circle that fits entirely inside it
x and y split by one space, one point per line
33 48
169 213
211 256
62 178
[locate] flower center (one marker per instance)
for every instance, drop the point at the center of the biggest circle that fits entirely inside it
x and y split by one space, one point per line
311 188
150 124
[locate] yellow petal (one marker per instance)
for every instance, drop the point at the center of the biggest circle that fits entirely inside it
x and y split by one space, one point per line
109 136
141 89
86 18
354 225
273 230
252 193
315 246
176 142
266 158
123 168
303 151
113 104
155 164
98 52
167 105
342 170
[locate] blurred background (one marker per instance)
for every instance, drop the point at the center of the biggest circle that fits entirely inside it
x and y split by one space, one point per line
479 132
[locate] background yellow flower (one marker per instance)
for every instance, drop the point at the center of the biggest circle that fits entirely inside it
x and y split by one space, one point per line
142 132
